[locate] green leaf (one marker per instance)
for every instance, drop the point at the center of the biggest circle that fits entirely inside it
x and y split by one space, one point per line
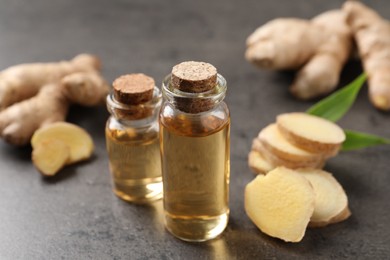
336 105
356 140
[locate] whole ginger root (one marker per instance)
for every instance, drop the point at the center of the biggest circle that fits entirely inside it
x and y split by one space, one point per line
319 48
23 81
372 35
19 121
36 95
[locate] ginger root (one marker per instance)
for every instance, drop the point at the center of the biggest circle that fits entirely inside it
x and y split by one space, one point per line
45 92
60 144
372 35
23 81
87 89
19 121
318 48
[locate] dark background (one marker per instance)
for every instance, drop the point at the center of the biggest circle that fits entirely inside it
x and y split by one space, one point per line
76 216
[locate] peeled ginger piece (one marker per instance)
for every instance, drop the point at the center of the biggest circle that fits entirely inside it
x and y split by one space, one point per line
49 156
280 203
311 133
331 202
275 160
258 163
79 141
60 144
276 143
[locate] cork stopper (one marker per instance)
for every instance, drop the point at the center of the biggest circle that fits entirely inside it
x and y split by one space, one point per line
194 76
133 89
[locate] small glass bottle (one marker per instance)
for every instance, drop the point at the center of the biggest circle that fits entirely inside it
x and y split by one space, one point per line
195 151
132 138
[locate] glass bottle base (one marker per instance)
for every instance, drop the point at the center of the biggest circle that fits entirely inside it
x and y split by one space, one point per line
196 229
139 191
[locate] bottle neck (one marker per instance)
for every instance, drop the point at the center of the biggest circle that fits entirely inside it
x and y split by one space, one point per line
144 113
194 103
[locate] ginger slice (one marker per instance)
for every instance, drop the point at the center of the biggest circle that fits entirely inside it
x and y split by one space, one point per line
50 155
311 133
343 215
280 203
79 141
275 142
331 203
258 163
277 161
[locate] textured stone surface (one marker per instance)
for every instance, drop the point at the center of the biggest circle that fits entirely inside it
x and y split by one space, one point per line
76 216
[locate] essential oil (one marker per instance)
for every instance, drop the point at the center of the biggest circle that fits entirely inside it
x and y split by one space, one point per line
195 151
132 138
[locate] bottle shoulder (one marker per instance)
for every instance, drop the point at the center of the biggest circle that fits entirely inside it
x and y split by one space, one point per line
199 124
127 132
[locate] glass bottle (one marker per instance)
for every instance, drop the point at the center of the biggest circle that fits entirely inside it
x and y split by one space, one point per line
195 152
132 138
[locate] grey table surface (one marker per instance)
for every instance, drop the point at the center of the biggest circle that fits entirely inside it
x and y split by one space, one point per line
76 216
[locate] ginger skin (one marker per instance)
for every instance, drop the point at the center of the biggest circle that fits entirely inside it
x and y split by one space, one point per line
23 81
19 121
372 35
87 89
320 75
278 44
319 48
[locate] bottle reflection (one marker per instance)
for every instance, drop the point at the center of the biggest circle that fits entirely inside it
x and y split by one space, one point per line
219 249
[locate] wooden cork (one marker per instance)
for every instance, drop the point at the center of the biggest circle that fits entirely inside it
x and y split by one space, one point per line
133 89
194 77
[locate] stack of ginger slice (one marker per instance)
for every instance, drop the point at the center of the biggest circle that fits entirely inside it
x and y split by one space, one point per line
296 140
295 193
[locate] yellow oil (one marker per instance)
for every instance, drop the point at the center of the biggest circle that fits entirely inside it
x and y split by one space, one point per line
135 164
196 168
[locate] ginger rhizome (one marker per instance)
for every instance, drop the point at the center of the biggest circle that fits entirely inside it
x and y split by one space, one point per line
372 35
319 48
35 95
23 81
